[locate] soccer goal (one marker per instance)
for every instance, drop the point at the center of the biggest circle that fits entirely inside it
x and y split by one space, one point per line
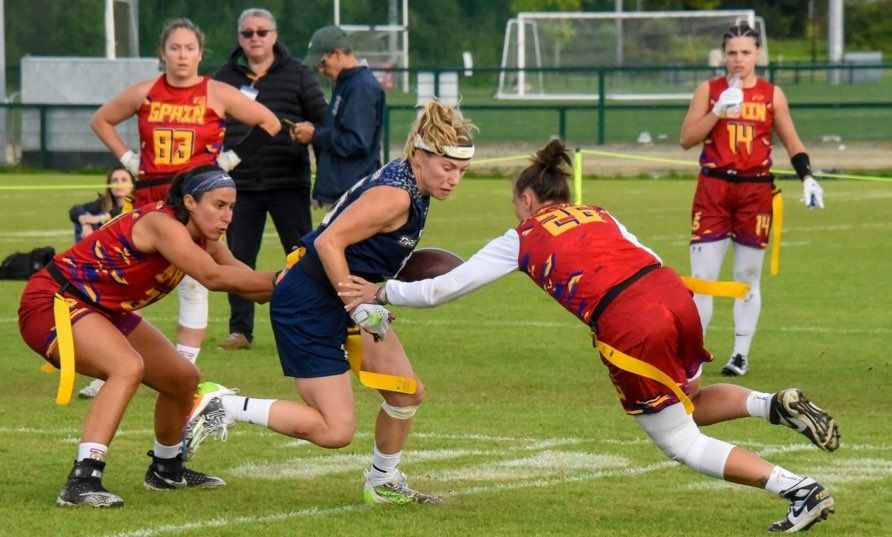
382 42
553 55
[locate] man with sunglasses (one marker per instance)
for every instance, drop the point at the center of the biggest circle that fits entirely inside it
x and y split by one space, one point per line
348 140
275 179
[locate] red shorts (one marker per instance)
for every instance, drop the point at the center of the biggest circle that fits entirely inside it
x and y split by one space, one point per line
724 209
150 194
654 320
37 324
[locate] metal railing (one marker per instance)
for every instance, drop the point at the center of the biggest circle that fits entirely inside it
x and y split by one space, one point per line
853 106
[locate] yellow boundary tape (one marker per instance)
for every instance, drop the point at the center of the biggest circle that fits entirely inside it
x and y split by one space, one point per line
599 152
631 156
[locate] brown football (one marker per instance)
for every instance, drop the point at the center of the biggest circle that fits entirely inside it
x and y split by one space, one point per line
427 263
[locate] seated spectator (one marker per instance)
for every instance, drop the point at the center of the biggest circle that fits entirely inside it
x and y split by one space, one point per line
87 217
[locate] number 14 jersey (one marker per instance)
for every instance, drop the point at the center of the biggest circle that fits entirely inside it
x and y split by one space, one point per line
741 140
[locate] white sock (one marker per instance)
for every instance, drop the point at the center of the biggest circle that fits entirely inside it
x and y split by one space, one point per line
248 409
167 452
781 480
187 352
91 450
758 404
383 466
747 269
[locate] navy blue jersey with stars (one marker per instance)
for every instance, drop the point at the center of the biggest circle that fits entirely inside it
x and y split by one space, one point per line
382 255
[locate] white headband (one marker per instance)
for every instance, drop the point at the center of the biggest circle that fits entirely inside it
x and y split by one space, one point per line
461 152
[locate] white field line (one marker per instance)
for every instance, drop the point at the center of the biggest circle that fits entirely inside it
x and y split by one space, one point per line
220 522
840 472
312 467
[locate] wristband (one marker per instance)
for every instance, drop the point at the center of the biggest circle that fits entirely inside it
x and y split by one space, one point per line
381 296
801 164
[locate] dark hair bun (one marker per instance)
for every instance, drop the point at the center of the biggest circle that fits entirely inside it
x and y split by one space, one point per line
553 155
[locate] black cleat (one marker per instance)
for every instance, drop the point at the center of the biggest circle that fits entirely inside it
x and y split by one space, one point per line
736 366
84 487
790 407
810 503
166 474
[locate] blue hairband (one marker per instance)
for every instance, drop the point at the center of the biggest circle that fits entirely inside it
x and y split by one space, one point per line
207 181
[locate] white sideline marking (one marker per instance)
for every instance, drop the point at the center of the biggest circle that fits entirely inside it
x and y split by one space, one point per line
310 468
840 472
545 464
37 233
221 522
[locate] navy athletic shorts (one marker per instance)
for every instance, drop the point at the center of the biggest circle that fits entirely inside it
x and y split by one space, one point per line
310 326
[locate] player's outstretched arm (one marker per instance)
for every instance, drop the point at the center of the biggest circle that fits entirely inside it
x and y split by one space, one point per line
496 259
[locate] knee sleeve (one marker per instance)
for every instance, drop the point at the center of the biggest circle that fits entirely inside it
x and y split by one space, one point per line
399 412
193 304
679 437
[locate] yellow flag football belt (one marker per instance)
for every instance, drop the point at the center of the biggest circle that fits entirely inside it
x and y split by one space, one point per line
721 289
640 367
353 348
65 344
369 379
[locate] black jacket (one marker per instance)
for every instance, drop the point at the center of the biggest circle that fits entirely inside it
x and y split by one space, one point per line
348 142
291 91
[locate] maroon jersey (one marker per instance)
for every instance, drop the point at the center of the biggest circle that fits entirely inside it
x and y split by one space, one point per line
743 142
108 269
178 131
576 253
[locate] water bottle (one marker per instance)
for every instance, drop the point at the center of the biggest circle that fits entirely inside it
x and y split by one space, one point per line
735 82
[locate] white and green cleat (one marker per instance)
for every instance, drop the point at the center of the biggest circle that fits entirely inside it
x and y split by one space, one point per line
395 492
208 417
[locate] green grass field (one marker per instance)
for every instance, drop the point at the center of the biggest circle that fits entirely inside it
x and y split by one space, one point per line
521 431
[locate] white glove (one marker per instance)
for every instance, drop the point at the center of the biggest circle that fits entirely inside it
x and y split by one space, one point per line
729 101
373 319
228 160
130 161
812 193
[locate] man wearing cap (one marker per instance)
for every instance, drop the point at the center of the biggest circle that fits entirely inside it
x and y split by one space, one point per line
348 141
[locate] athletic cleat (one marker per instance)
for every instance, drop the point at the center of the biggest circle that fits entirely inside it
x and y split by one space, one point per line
736 366
810 503
396 492
167 474
790 407
208 417
90 390
84 487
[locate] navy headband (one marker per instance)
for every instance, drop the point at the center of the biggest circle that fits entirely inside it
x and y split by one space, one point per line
206 181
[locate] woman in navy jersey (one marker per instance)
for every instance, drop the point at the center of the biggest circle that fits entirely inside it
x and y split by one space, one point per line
370 230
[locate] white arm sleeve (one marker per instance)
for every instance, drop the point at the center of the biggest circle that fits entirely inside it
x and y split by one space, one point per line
496 259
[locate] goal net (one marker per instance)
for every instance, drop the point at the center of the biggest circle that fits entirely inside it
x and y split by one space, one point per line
556 55
382 40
